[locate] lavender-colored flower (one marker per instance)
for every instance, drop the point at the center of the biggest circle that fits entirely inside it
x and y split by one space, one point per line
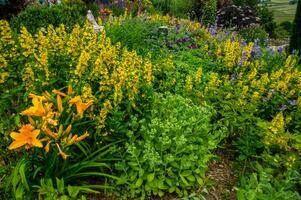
234 76
193 46
256 52
283 107
280 49
183 40
213 29
242 59
293 102
120 3
243 43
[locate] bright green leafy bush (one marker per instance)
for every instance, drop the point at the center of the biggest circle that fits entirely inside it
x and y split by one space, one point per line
168 151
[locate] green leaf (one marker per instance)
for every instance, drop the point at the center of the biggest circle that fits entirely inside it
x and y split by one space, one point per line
191 178
150 177
60 185
171 189
138 183
141 172
169 182
73 191
186 173
184 180
200 180
23 176
240 195
17 120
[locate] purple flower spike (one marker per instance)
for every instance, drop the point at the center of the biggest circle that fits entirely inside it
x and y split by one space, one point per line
193 46
256 52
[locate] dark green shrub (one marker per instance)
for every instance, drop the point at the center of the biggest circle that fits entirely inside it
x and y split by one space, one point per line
267 20
287 25
36 17
295 43
168 151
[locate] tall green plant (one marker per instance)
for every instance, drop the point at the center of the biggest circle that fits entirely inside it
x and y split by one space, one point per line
295 43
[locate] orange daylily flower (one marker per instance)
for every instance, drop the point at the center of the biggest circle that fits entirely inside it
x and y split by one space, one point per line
59 103
80 106
80 138
50 133
40 98
72 140
36 110
64 156
69 90
27 136
59 93
47 147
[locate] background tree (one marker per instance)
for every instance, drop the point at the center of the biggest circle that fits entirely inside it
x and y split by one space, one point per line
295 43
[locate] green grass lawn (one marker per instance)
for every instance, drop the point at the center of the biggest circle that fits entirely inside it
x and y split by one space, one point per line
283 11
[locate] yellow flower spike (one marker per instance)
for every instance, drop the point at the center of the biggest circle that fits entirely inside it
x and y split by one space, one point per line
82 137
72 140
50 133
68 130
26 136
59 93
64 156
47 147
70 90
59 103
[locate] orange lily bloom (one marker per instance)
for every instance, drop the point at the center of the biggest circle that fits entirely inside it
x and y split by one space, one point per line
59 93
50 133
47 147
82 137
72 140
69 90
59 103
80 106
27 136
64 156
36 110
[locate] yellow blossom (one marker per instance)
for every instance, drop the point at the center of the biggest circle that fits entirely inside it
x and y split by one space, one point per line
26 136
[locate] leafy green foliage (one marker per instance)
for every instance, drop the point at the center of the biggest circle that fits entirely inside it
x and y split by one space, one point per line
251 34
168 151
48 191
264 186
135 34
